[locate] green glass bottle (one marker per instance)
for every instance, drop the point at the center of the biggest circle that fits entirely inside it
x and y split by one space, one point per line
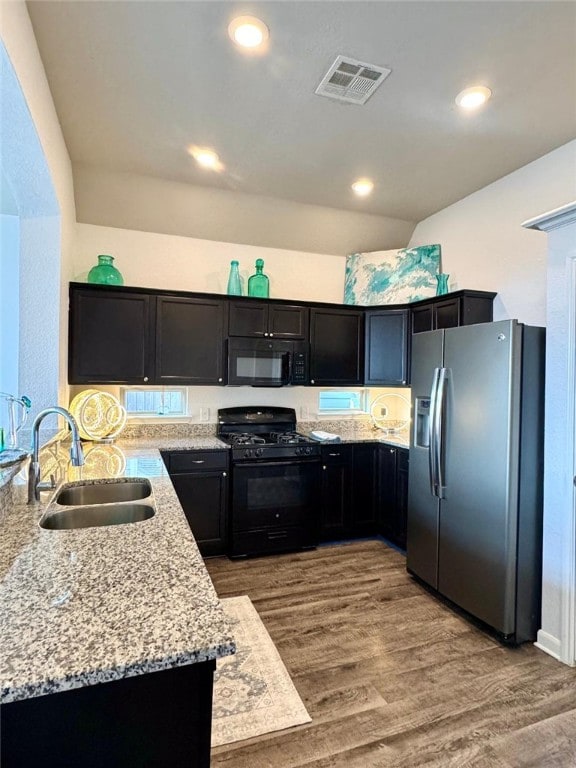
105 272
258 284
234 284
442 283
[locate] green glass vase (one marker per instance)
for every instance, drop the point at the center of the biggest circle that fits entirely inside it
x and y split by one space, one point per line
258 284
105 272
442 284
234 283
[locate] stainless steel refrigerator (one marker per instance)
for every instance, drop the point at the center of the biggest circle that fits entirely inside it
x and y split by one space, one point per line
476 466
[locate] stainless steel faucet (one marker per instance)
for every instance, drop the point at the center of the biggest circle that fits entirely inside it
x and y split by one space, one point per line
76 453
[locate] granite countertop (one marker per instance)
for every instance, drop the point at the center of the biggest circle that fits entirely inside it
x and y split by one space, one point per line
351 434
81 607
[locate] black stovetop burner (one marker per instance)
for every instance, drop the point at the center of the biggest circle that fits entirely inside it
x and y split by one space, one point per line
289 437
264 432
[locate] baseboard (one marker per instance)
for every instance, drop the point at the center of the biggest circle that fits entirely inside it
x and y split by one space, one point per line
549 644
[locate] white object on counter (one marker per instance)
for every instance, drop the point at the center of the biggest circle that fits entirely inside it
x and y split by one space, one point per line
324 437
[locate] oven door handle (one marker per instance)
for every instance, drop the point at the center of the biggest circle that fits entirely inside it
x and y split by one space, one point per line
298 461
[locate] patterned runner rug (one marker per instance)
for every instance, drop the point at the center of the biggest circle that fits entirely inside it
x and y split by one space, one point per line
253 692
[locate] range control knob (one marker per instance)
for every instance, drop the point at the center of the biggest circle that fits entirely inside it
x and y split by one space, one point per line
258 452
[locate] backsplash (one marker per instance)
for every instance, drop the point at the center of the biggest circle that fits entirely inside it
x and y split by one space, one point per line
361 427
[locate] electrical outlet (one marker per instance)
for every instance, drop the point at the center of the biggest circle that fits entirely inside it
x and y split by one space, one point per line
204 413
304 414
383 410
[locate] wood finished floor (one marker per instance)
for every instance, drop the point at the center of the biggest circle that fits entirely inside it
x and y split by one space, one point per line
391 677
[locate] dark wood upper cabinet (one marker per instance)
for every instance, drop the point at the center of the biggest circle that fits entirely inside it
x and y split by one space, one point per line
336 347
111 337
189 340
286 322
452 310
387 347
282 321
123 335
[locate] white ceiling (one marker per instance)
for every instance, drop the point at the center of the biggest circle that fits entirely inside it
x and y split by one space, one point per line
136 83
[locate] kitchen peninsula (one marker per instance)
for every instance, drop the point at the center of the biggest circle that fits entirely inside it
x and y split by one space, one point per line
110 635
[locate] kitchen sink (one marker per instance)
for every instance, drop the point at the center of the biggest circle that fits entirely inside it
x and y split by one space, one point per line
96 515
104 493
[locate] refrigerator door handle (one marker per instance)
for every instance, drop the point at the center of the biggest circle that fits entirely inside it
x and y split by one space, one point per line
439 428
432 453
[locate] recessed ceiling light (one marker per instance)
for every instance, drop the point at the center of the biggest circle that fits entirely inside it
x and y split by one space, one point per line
472 98
248 31
363 187
206 158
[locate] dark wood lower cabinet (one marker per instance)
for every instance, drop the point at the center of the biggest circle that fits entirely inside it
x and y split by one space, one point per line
364 491
364 515
158 720
336 492
393 493
349 490
200 479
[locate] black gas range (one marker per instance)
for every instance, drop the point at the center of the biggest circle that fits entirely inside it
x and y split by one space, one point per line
275 481
267 433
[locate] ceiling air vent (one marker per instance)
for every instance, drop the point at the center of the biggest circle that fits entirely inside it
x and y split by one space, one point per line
351 80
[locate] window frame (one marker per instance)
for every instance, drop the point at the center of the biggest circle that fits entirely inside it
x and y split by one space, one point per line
171 415
360 394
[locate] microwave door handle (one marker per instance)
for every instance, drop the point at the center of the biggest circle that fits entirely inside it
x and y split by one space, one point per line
287 368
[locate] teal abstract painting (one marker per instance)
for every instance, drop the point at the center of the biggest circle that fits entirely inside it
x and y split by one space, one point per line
392 277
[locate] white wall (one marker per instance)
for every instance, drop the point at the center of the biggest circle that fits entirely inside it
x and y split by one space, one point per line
131 201
484 245
558 631
18 38
9 302
153 260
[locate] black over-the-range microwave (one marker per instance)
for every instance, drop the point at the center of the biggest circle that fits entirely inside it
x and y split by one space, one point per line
267 362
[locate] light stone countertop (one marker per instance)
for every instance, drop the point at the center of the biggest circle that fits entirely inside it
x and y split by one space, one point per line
80 607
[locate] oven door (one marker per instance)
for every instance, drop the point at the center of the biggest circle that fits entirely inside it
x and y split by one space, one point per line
258 362
275 506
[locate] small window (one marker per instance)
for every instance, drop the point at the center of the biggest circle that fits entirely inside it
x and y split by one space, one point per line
155 402
342 401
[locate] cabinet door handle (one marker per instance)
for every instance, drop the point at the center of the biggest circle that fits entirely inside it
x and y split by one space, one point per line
277 514
265 333
197 461
392 450
271 334
334 454
145 378
220 380
224 474
312 381
324 467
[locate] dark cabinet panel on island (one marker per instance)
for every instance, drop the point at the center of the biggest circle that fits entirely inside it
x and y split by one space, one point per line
336 347
189 341
200 479
111 338
162 718
282 321
387 347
